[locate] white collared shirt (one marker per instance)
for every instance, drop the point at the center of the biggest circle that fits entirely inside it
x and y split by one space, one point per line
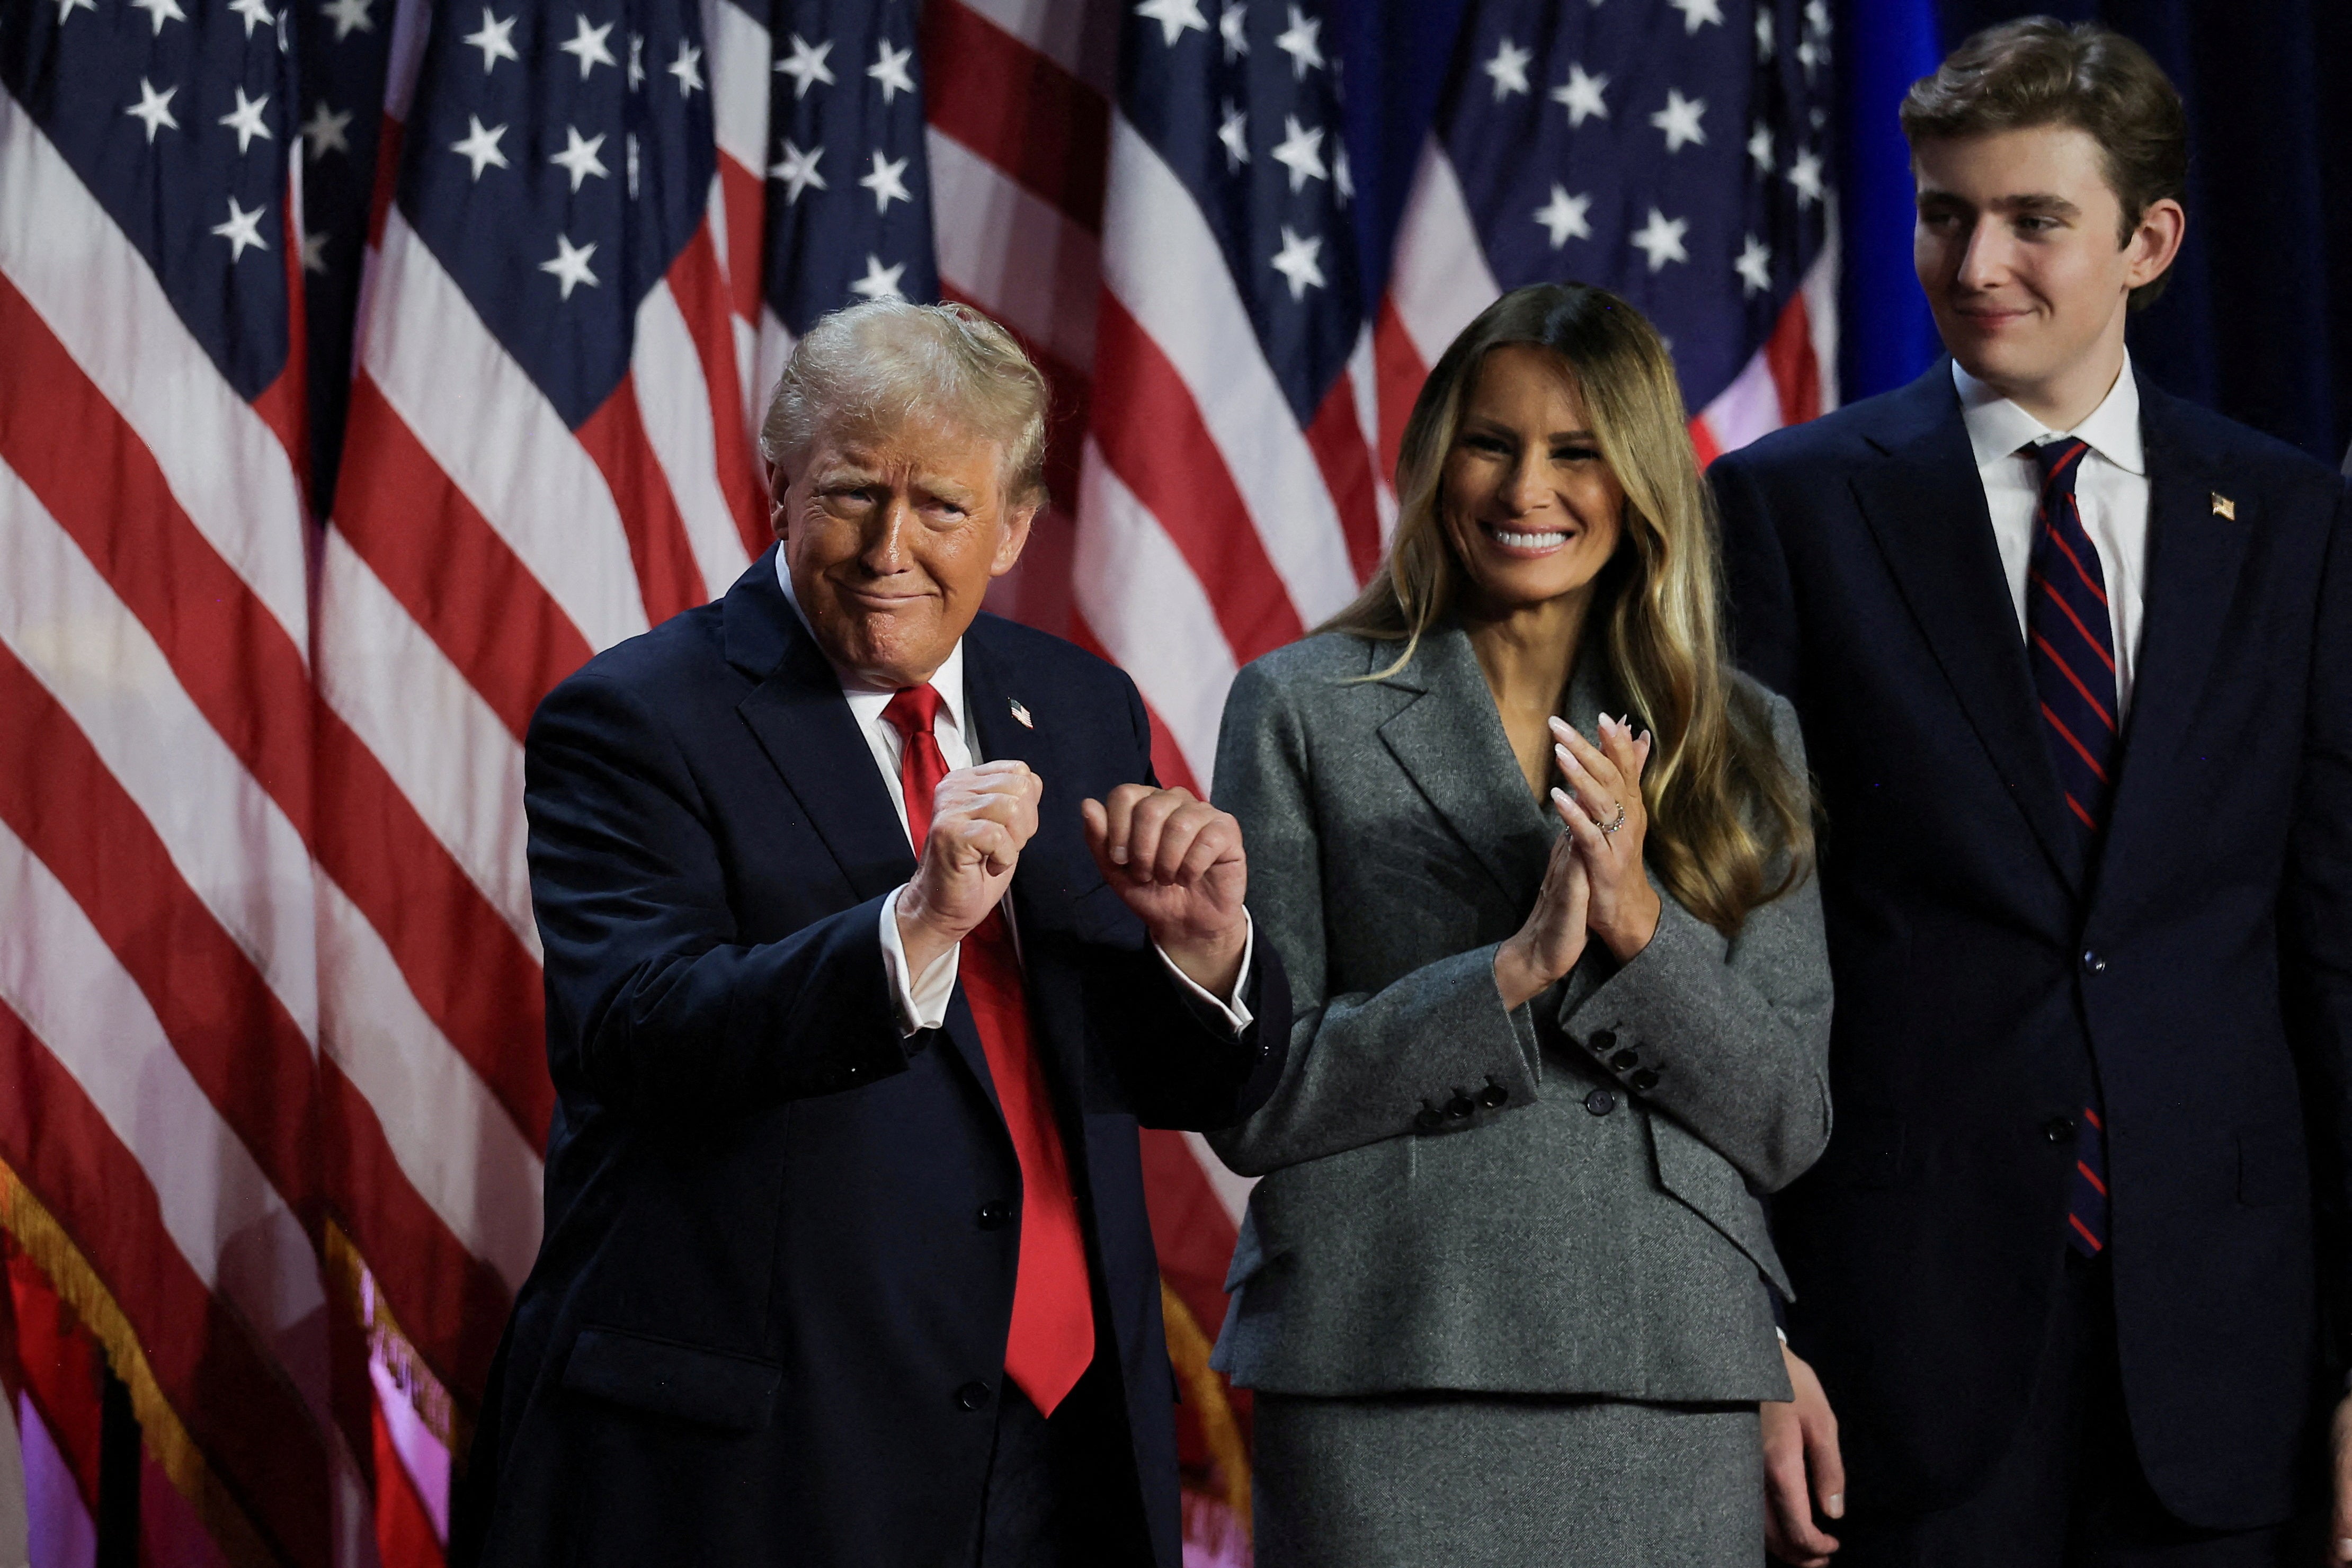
2110 487
922 999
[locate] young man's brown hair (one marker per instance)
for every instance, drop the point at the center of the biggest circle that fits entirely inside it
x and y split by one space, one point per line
2039 71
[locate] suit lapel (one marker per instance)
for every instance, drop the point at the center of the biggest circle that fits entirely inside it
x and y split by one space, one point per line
1449 740
1925 505
2194 558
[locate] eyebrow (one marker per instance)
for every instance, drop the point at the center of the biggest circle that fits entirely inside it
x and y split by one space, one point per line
1557 437
2041 201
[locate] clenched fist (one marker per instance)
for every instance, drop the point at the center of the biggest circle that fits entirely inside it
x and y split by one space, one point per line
1178 862
982 818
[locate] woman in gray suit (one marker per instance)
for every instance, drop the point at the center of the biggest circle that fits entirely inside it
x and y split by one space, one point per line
1562 999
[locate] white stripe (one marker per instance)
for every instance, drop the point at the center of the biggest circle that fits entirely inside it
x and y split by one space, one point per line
495 434
445 748
775 347
1079 35
1748 408
1364 379
1232 1192
220 1211
451 1138
1014 255
239 853
1441 281
674 400
747 372
740 51
1820 290
1167 269
1138 595
98 294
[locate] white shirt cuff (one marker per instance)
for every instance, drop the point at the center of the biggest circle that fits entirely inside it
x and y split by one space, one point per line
921 1000
1236 1012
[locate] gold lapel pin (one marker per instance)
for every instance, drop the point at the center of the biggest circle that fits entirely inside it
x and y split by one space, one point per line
1020 715
2224 507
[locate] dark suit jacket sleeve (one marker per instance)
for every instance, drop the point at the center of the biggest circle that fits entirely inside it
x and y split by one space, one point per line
2316 912
1756 579
654 1003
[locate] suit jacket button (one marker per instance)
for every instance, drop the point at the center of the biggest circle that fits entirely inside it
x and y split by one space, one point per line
971 1396
2059 1130
1429 1119
1600 1103
1494 1097
1625 1060
1643 1081
1458 1108
993 1216
2093 962
1603 1041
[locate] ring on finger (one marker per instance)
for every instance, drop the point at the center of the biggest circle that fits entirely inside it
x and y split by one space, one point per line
1612 827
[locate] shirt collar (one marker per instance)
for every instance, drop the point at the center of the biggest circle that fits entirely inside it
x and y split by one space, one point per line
867 702
1997 427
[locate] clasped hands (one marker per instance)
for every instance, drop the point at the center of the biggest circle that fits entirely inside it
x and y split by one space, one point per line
1176 860
1593 884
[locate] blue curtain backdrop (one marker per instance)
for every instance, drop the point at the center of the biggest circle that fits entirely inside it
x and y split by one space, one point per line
2257 321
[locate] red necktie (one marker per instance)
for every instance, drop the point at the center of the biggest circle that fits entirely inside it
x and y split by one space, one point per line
1053 1336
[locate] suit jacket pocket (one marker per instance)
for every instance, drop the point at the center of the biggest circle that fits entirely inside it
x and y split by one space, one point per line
1705 1181
666 1377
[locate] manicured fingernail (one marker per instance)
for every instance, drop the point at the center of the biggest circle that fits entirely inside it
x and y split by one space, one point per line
1560 796
1835 1506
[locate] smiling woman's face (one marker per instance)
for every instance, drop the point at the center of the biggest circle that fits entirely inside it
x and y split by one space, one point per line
1532 508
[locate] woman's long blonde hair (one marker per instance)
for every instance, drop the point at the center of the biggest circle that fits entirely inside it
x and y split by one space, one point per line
1730 824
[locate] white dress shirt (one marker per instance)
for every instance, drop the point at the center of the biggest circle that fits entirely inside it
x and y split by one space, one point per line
922 999
2110 487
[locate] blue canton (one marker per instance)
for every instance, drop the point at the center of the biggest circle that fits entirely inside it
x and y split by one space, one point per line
1675 153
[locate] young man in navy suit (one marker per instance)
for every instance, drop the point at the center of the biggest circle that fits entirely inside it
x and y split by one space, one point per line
869 939
2074 663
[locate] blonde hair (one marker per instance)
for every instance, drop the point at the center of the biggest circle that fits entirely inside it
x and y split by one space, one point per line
878 363
1730 823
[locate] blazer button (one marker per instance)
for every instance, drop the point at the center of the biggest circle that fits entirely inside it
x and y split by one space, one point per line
993 1216
1643 1081
1603 1041
1494 1097
2093 962
971 1396
1459 1107
1600 1103
1625 1060
1429 1119
2059 1130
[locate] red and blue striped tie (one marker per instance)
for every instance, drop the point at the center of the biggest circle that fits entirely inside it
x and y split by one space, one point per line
2074 657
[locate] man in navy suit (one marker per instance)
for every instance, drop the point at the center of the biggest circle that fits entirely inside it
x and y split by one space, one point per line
2074 663
870 938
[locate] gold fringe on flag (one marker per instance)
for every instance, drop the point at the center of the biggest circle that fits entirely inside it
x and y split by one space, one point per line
354 1286
168 1440
1204 1392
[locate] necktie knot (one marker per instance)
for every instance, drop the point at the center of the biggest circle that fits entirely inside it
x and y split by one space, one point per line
914 711
2060 461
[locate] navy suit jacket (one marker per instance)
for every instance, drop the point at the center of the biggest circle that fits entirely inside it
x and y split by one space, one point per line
2203 967
768 1283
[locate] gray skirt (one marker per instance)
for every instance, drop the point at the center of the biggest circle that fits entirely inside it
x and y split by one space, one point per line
1504 1481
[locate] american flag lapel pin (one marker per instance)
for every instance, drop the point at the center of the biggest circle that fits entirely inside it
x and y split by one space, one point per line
2224 507
1020 715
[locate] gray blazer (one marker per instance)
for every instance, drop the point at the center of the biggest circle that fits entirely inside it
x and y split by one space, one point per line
1555 1199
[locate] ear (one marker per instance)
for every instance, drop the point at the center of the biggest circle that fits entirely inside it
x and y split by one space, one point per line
1009 543
775 481
2156 242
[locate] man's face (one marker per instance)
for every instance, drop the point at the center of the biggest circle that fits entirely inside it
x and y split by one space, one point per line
891 537
2016 246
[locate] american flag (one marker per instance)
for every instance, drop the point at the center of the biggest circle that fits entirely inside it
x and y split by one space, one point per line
366 364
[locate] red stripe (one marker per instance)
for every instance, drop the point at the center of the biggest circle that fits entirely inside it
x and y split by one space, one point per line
1400 372
2058 540
745 192
1017 109
1168 763
450 1303
101 484
2079 810
236 1403
405 1536
1151 434
2076 680
1704 446
696 283
2068 736
615 441
240 1043
2092 1177
387 179
450 570
466 966
2058 599
2084 1232
245 675
285 403
55 1363
1338 442
1796 371
2092 1117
